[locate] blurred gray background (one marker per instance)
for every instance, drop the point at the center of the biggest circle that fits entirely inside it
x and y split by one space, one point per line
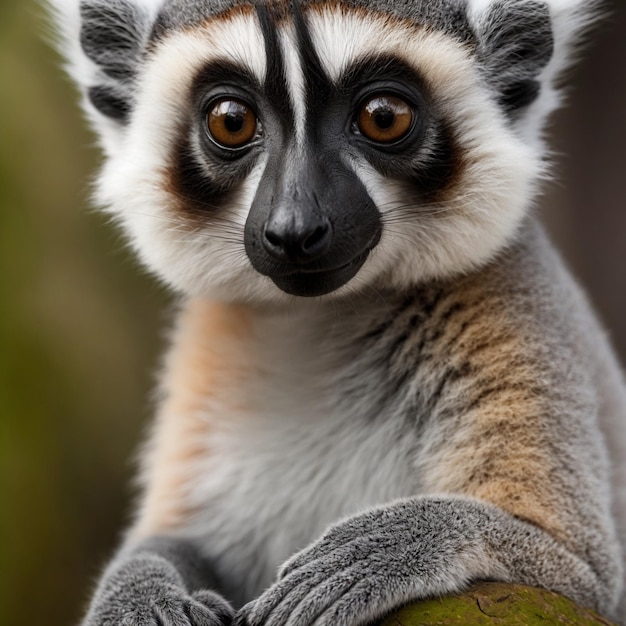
81 327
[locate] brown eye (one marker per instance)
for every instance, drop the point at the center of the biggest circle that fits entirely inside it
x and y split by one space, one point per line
232 123
385 118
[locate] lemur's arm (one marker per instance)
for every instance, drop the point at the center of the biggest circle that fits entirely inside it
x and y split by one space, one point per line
368 565
160 577
158 581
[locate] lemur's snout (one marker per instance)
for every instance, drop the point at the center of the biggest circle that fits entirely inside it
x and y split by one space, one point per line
311 225
297 236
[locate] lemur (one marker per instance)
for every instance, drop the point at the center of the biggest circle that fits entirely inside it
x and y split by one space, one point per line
382 384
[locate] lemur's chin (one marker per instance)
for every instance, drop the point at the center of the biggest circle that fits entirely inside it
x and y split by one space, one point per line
310 284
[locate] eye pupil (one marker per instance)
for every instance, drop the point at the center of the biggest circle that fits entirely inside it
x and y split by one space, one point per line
232 123
385 119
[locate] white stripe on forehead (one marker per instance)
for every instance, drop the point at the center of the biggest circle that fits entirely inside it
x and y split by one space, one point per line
295 78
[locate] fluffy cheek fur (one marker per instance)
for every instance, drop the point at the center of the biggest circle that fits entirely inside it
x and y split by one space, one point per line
471 219
495 171
194 258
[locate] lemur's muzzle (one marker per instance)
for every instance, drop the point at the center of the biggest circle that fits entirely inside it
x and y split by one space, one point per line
311 228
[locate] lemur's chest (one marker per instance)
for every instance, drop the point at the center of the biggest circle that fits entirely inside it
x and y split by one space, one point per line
277 426
275 482
300 441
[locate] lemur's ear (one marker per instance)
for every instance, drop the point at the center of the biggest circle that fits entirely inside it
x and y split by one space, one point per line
516 44
524 46
104 42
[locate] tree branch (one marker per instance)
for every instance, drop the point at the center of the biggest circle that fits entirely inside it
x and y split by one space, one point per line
490 604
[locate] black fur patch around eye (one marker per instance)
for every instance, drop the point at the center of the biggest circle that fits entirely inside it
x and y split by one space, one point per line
109 103
112 36
438 173
516 44
428 173
198 194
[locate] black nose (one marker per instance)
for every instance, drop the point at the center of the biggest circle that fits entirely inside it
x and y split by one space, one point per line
297 240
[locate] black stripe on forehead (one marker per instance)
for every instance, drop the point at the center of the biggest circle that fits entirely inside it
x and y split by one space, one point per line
317 83
276 88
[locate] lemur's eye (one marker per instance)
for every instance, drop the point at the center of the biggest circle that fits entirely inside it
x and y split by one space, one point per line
385 118
231 123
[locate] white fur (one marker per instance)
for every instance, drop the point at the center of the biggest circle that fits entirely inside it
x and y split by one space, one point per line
493 196
184 257
295 79
493 193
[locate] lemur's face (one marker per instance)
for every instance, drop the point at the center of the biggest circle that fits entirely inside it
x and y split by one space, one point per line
323 149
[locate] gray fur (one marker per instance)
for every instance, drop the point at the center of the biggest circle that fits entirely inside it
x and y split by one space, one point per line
159 582
417 404
113 35
376 546
379 560
449 16
396 394
516 43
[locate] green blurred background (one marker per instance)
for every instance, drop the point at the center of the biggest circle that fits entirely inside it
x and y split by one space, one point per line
81 327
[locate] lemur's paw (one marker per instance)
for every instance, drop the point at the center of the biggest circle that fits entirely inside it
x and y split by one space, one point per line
208 608
164 608
343 599
148 592
353 575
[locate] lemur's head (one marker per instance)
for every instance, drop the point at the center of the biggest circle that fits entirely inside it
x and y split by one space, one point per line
262 148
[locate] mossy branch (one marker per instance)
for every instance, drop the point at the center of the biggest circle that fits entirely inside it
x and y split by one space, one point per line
491 604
